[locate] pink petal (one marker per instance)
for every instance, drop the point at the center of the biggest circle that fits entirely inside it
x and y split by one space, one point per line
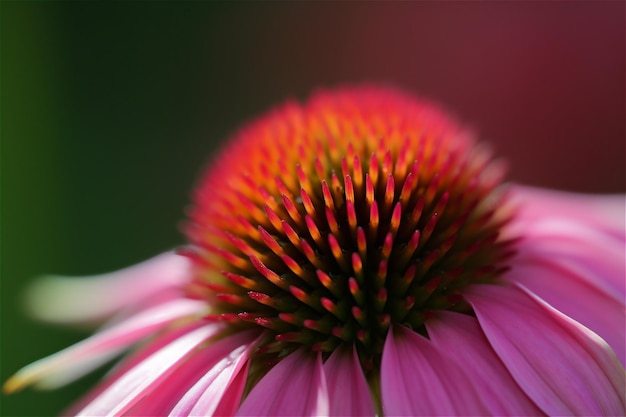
73 300
75 361
232 398
605 212
140 380
296 386
217 378
460 338
567 289
563 367
348 392
418 379
599 257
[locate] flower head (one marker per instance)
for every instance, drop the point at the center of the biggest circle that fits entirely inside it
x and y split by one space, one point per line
359 255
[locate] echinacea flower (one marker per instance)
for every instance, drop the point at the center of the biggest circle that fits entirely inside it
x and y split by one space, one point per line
358 255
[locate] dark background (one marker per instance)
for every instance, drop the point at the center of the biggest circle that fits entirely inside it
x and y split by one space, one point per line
110 110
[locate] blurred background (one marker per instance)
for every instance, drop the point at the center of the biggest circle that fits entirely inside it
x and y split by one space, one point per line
110 111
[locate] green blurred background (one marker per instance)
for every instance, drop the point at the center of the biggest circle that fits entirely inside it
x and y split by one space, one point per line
110 110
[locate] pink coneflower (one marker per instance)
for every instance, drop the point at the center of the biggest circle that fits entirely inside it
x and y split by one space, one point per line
358 255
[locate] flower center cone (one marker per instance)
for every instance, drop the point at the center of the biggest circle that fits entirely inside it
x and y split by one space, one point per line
325 224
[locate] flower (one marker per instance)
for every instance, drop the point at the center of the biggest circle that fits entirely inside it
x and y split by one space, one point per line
358 255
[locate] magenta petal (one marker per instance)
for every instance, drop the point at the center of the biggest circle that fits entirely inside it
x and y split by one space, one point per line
462 340
75 361
140 380
218 367
296 386
417 379
565 288
563 367
348 392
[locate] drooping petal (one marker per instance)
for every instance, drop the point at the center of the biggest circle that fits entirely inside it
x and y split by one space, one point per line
140 380
418 380
216 368
563 367
81 300
462 340
296 386
348 392
604 212
77 360
566 288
